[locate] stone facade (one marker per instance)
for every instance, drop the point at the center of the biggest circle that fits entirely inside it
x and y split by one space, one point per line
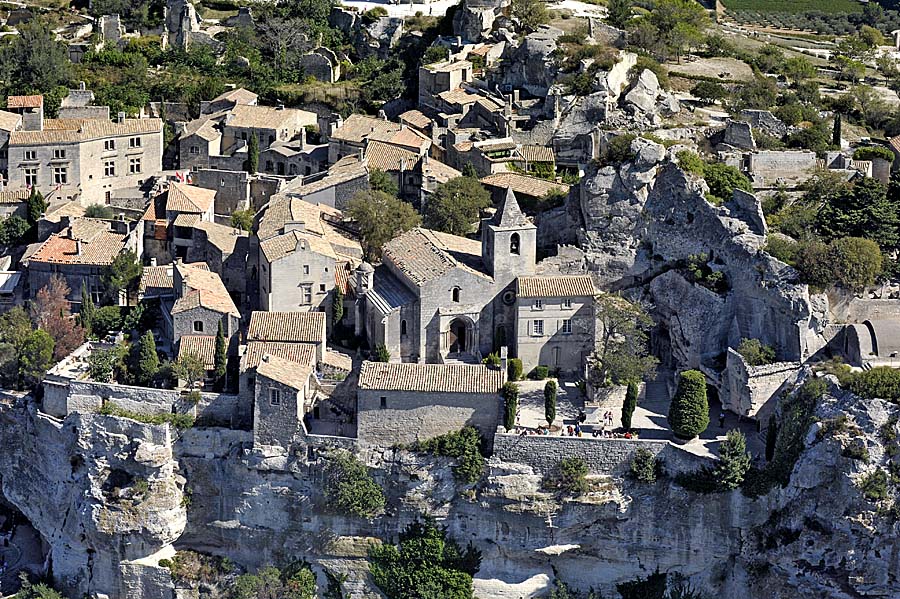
301 280
278 411
388 418
203 321
565 336
753 390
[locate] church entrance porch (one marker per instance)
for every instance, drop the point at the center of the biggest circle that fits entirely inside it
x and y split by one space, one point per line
459 342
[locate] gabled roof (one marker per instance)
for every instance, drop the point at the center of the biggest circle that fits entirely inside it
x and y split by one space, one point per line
509 215
85 241
238 96
286 372
416 118
24 101
275 248
424 255
202 288
181 197
523 184
406 137
268 117
301 353
221 236
293 327
79 130
9 121
358 127
387 157
430 378
201 346
555 286
156 278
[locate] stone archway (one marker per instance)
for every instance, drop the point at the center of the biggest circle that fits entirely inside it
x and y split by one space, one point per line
460 337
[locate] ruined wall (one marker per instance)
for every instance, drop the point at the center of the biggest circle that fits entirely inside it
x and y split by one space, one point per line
752 390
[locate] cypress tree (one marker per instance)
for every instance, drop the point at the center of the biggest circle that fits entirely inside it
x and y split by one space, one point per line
689 411
148 360
734 461
87 309
337 306
550 401
221 359
252 153
836 131
771 437
631 397
510 394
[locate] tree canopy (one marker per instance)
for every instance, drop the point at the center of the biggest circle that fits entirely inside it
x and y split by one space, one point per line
122 275
454 207
380 218
622 354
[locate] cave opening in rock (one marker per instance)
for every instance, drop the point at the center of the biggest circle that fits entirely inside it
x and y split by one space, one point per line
22 549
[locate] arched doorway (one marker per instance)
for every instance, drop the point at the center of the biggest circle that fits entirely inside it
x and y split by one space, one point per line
459 338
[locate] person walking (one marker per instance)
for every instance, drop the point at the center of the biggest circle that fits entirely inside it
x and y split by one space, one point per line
722 419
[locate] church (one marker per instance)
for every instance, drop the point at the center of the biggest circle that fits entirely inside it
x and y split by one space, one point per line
439 298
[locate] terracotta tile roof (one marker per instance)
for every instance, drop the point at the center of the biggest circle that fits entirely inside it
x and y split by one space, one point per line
342 274
440 171
294 327
14 196
186 220
275 248
534 153
99 246
415 118
524 184
156 278
317 221
447 66
555 286
24 101
284 371
238 96
895 143
78 130
56 212
202 288
222 236
406 137
430 378
388 157
201 346
9 121
358 127
181 197
495 145
424 255
301 353
458 96
269 117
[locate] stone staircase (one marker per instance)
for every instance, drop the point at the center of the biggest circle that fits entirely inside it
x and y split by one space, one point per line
656 392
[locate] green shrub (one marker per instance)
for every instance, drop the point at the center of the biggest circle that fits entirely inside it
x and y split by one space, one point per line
492 359
881 382
465 446
179 421
619 150
550 390
874 486
510 394
349 487
570 476
755 353
734 461
644 465
873 152
539 373
689 411
381 353
514 369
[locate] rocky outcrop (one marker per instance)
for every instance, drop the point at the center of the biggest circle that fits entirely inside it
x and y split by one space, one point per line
643 219
101 491
529 65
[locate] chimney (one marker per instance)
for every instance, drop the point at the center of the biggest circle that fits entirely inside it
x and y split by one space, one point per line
294 225
120 118
504 360
279 107
82 85
152 261
382 115
77 247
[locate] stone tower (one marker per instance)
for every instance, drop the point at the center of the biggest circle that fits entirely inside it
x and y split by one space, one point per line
508 241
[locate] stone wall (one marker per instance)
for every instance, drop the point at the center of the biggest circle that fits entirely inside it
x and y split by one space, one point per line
602 456
748 390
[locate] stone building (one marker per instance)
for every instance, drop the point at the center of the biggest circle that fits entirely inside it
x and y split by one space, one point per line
349 137
333 188
438 296
405 403
202 303
224 249
302 249
321 64
555 321
84 158
289 327
79 254
9 122
284 393
442 77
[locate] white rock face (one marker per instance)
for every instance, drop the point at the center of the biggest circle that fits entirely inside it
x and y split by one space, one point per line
645 92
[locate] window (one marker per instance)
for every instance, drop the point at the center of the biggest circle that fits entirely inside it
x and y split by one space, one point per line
383 402
567 303
269 165
271 139
455 293
321 287
514 244
403 328
537 328
109 145
60 175
195 150
134 166
566 327
537 304
30 154
306 269
134 142
274 396
109 168
31 177
307 293
198 326
244 135
59 154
